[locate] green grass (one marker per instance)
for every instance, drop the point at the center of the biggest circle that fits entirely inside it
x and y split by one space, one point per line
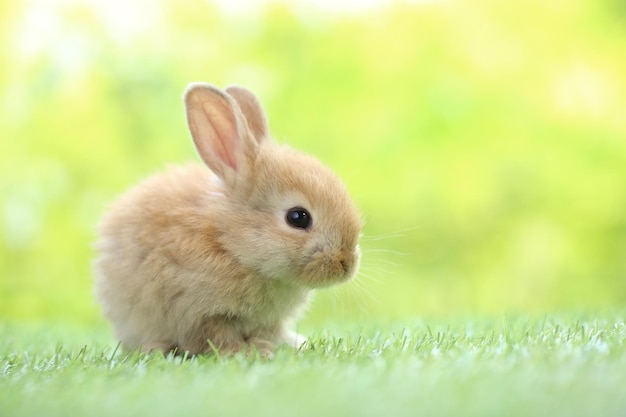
534 366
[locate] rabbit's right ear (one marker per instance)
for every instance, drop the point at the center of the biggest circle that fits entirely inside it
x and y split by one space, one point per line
219 132
252 110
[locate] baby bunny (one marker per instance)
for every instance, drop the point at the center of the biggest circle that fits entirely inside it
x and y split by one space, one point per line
197 259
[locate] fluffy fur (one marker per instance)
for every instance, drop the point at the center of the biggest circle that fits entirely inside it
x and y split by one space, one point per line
196 258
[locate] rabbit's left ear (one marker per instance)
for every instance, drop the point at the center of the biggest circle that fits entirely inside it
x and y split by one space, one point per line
220 133
252 111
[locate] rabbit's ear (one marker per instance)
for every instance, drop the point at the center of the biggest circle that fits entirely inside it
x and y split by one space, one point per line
252 110
219 132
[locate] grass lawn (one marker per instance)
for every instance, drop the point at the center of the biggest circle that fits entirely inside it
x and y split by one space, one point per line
569 365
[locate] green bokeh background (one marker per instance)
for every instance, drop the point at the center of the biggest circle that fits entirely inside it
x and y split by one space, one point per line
484 141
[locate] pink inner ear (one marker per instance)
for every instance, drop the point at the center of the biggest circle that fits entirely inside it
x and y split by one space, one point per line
225 138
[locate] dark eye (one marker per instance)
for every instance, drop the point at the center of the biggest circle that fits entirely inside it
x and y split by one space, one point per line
298 217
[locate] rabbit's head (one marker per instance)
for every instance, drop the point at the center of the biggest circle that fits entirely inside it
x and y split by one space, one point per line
283 214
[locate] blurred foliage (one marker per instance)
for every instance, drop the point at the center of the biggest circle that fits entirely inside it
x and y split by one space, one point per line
485 141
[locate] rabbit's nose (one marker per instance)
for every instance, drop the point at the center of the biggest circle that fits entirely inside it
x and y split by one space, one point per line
347 262
345 265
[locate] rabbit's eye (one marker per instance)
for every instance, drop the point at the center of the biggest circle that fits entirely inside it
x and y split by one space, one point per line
298 217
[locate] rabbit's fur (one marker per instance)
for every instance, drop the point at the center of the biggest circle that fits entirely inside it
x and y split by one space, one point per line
195 259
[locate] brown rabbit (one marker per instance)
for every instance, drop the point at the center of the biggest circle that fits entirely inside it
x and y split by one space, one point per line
195 259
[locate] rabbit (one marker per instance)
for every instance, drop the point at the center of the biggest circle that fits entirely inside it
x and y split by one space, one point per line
224 256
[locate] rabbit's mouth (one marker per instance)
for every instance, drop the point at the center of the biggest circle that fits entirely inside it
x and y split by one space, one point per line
323 269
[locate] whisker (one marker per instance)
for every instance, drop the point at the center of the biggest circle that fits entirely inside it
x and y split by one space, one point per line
381 264
378 261
370 277
390 235
391 251
380 269
363 291
371 272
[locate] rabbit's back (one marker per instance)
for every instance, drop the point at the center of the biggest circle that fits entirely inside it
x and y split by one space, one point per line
157 254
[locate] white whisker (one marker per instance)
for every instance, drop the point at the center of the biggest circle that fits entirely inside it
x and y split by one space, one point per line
364 292
371 278
391 235
374 250
381 264
373 268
